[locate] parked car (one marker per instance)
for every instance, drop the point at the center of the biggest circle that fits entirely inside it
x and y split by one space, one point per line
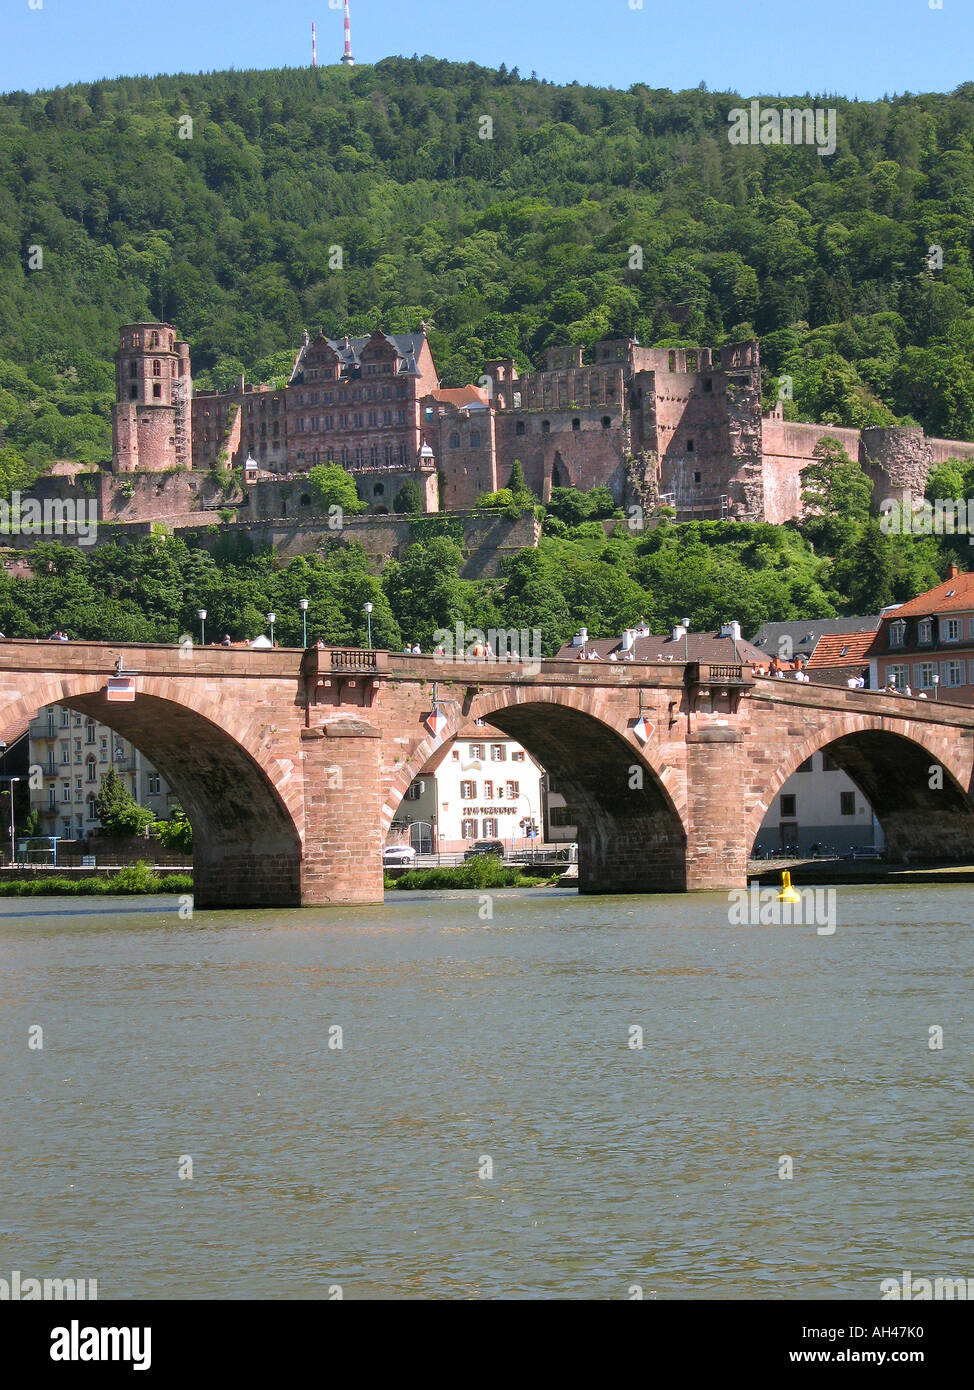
863 852
398 854
485 847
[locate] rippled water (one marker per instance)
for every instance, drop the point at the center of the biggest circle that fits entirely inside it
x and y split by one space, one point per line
465 1039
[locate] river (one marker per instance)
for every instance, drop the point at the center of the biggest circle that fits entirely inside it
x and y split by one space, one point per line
471 1046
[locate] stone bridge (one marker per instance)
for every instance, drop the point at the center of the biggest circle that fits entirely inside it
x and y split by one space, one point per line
291 765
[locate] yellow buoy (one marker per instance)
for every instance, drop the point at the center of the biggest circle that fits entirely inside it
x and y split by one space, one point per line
788 894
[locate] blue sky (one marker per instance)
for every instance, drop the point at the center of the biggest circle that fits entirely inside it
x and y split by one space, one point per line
854 47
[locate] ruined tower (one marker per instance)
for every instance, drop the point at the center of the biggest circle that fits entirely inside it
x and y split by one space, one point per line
151 419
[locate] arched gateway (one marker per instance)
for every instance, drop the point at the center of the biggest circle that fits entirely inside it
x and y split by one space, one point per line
291 765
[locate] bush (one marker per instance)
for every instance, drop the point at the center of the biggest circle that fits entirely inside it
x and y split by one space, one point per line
483 871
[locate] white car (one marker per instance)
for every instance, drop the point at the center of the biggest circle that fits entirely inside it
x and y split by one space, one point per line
398 854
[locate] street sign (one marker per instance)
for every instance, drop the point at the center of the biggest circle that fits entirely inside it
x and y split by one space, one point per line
120 689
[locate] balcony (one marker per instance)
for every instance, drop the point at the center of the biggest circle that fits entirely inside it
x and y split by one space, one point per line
703 673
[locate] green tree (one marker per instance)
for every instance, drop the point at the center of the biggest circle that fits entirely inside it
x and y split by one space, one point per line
834 486
409 499
176 833
331 486
119 814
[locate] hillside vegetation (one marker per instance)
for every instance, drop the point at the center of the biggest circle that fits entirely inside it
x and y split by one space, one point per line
504 245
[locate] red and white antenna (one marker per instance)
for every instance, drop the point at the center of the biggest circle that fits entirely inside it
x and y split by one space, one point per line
314 46
347 55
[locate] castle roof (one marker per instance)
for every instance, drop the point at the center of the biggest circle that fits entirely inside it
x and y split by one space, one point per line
349 351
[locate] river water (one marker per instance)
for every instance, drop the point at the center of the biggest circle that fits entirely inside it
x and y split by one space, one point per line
466 1040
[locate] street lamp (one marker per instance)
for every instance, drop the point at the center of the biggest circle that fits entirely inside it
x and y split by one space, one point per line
201 614
936 686
272 619
10 782
686 638
367 610
303 605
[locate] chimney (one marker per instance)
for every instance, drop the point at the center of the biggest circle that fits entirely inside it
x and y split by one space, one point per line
628 638
952 571
679 632
580 638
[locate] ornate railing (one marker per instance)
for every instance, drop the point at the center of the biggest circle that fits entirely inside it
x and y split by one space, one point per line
352 659
703 673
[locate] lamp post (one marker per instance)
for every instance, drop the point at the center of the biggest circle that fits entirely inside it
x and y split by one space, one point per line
272 619
367 610
303 605
686 638
936 687
10 784
201 614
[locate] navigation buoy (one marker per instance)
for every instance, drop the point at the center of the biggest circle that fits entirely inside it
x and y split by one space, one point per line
788 894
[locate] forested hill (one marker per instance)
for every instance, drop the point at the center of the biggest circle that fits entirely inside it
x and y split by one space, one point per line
504 244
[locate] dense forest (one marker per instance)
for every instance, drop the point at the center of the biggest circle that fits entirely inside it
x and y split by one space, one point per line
114 206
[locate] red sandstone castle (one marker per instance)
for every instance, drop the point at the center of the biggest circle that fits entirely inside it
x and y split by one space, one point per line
675 426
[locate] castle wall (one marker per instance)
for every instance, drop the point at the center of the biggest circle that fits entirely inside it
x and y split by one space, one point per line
787 447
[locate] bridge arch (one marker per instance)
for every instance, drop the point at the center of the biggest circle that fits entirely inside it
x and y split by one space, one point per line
912 773
632 826
247 822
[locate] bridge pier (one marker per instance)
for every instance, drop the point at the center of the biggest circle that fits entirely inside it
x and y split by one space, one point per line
717 845
342 861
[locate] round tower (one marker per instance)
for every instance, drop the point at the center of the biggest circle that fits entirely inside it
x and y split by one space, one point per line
153 391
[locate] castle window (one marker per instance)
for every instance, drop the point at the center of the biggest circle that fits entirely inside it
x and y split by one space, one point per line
135 340
519 427
155 340
133 369
672 361
379 490
689 446
157 393
133 393
708 383
696 477
576 424
402 454
454 441
475 439
606 422
305 500
545 426
157 368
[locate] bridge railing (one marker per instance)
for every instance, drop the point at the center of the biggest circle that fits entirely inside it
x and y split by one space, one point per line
705 673
344 659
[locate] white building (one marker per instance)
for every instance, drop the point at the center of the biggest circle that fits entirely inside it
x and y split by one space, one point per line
74 752
819 805
482 786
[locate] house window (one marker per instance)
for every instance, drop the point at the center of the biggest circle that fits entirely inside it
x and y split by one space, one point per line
847 803
65 753
829 764
455 755
488 790
66 791
513 790
498 753
517 757
490 828
788 806
90 731
477 752
950 629
153 781
65 719
897 632
91 806
952 672
414 791
468 791
91 768
925 632
923 673
896 675
807 765
51 798
468 830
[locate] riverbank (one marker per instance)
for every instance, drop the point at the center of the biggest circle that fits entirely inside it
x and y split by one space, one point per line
484 871
131 879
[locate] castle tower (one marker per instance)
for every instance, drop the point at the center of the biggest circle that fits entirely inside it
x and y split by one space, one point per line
347 55
152 419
